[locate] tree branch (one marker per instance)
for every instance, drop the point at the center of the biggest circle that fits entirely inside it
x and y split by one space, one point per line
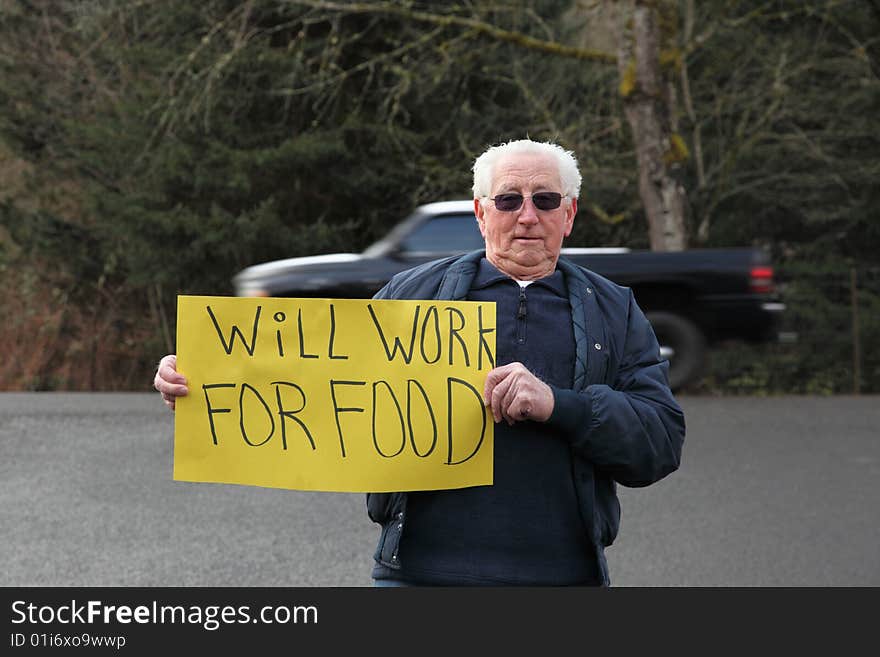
478 26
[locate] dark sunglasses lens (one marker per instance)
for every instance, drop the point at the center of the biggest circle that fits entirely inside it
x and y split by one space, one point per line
547 200
542 201
508 202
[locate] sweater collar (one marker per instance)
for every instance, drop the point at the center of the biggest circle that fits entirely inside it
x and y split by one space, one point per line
487 274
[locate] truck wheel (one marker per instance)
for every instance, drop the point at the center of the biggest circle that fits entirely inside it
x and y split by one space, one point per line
682 344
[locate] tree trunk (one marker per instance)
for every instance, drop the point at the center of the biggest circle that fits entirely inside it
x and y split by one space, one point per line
647 105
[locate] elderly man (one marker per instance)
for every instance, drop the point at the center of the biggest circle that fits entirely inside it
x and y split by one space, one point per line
579 394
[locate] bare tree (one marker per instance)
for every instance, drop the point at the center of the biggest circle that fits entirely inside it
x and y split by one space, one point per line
647 92
648 103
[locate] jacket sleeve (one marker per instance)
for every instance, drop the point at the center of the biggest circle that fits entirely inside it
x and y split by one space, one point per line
386 292
633 429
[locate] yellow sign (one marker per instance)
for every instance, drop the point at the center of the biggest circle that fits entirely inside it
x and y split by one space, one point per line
348 395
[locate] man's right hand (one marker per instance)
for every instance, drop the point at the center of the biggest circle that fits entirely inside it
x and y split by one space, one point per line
169 382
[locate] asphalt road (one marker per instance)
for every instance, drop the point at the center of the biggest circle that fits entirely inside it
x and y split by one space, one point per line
771 492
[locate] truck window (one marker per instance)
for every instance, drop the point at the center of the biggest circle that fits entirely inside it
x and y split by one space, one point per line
449 233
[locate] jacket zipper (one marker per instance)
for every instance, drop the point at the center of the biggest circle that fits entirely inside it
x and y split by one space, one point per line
521 317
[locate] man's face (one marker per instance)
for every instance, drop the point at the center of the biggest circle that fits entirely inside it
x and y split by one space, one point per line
525 243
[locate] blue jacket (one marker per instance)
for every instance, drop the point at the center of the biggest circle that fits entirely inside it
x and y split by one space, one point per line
622 421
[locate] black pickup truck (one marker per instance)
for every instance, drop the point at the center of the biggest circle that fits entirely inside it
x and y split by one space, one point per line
692 298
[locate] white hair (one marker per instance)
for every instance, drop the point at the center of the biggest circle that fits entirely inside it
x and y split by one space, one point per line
484 165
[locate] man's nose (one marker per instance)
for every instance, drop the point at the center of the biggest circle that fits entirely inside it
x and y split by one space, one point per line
528 214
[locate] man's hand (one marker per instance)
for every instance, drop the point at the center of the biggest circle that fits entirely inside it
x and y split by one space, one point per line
169 382
515 394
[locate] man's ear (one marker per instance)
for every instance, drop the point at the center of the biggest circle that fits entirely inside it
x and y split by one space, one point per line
569 216
479 212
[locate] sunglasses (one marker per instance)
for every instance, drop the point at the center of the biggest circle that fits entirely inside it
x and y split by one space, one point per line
541 200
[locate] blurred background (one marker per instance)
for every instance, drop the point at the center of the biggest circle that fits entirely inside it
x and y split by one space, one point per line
151 148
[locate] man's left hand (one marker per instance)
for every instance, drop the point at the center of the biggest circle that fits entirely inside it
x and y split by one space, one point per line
515 394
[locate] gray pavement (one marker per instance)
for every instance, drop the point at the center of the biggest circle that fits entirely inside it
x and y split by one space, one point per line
779 491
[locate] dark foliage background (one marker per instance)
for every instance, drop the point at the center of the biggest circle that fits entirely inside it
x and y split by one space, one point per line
150 148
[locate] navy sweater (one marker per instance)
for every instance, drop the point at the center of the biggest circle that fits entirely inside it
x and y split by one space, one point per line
526 528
